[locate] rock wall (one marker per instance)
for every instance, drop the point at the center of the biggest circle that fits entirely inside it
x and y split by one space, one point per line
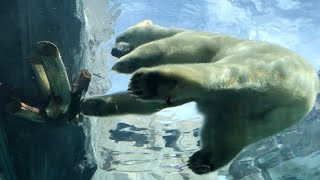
29 150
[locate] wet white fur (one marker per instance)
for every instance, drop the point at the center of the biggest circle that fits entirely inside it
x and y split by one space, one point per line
247 90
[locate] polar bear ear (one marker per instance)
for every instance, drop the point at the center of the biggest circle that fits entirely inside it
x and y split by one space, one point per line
144 23
147 22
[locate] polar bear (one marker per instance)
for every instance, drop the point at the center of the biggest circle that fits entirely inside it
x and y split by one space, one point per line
246 90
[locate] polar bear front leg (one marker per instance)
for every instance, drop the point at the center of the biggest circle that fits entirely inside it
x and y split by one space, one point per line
167 83
118 104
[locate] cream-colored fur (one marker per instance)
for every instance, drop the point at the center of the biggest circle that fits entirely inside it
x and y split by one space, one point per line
247 90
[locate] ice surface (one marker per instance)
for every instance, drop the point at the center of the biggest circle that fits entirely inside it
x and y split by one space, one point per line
158 146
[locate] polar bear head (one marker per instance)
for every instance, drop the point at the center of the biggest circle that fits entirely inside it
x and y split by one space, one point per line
137 35
132 38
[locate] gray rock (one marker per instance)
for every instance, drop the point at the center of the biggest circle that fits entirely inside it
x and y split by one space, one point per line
30 150
291 154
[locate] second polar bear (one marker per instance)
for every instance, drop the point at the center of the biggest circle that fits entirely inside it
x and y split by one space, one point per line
247 90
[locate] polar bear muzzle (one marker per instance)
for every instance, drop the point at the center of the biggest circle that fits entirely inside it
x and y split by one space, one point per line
120 49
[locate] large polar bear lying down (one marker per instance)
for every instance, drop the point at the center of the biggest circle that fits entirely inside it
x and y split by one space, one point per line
247 90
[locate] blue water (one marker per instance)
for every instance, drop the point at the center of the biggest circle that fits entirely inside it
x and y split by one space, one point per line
158 146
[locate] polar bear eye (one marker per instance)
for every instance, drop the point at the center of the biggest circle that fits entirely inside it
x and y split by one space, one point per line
122 38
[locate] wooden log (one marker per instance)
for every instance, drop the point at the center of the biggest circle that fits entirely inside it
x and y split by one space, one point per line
64 102
18 108
79 89
42 80
23 110
82 82
47 55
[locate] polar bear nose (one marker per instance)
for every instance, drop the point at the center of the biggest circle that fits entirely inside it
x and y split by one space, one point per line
120 49
116 52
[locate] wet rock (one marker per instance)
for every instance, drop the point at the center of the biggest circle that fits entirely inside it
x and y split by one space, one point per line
291 154
30 150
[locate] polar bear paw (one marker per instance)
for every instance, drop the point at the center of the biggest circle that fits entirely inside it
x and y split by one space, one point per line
201 162
153 85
